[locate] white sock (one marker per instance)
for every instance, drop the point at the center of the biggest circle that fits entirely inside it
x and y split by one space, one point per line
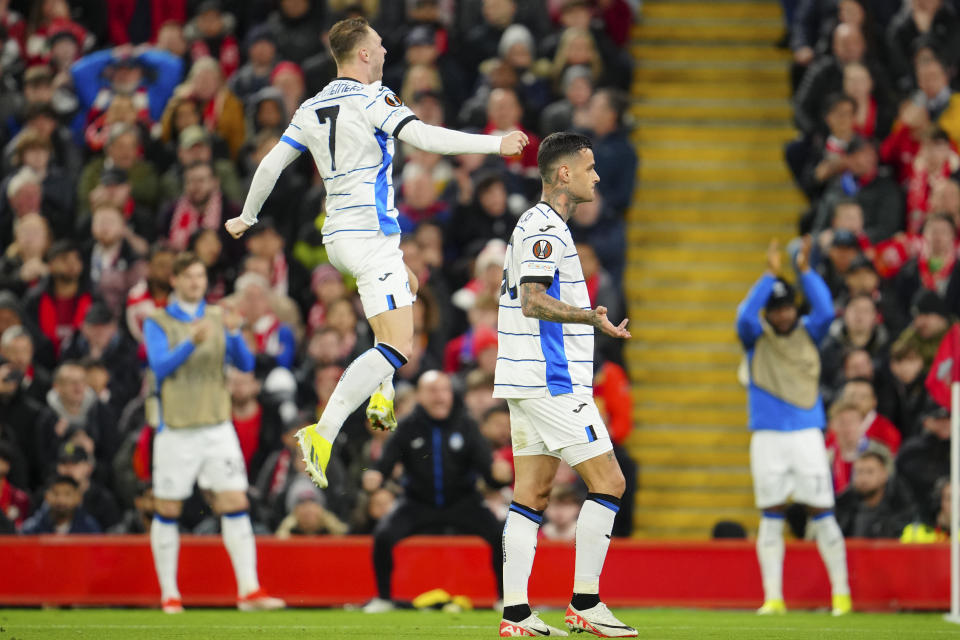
770 548
239 541
357 383
165 543
519 546
594 526
833 551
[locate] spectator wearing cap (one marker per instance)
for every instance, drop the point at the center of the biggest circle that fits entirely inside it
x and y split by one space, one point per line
14 501
16 347
858 328
35 152
149 74
113 263
868 183
933 267
260 46
122 153
210 33
877 503
41 118
74 461
100 338
572 110
195 144
221 110
61 511
926 457
203 205
517 49
59 302
844 249
930 322
422 48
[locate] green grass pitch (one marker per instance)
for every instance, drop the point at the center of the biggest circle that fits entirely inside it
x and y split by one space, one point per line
661 624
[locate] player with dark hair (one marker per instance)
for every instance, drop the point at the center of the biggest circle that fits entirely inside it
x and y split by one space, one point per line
361 232
188 343
545 373
788 458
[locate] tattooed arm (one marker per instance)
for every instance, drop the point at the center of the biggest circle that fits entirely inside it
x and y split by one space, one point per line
535 303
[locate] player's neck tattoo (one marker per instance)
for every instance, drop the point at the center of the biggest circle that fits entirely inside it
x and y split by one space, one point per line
560 199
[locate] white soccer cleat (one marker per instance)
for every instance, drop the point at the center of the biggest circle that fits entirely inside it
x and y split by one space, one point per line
532 625
260 600
599 621
378 605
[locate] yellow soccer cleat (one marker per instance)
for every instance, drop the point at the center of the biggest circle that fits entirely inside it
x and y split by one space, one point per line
316 453
772 608
380 410
842 604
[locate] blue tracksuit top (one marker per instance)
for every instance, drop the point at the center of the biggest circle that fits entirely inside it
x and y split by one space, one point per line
766 411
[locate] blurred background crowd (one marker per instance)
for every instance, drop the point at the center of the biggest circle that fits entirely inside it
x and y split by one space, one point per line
878 115
130 132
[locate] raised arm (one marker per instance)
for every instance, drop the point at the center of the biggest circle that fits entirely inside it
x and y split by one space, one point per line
451 142
535 302
748 313
821 313
264 179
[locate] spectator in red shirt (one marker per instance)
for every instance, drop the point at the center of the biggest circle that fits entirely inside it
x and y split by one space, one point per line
210 33
504 114
151 292
875 426
257 422
844 442
937 160
59 302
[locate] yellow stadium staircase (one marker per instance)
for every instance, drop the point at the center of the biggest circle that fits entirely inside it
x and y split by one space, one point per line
711 104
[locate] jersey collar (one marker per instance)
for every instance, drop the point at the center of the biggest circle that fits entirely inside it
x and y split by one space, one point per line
549 206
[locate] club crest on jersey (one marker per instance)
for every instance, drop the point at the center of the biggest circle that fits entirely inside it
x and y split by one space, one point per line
393 100
542 249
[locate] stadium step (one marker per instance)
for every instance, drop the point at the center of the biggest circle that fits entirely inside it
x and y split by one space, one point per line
711 104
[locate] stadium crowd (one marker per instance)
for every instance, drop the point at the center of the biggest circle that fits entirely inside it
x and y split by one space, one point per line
131 134
878 114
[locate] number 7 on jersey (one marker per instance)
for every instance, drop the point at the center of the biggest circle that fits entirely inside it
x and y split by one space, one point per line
323 115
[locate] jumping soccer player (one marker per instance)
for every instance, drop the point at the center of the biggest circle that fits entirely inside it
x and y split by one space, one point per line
545 372
349 128
787 453
188 344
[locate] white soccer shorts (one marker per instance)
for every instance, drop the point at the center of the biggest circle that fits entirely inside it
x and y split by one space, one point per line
209 456
566 426
377 264
789 464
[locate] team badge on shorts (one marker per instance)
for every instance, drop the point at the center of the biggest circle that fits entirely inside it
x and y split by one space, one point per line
393 100
542 249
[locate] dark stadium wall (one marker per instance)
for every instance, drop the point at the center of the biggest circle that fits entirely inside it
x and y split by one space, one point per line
118 570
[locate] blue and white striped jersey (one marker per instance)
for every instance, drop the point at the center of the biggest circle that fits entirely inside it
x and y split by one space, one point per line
349 129
536 357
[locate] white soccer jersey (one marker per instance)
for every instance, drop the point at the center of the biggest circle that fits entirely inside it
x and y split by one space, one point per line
349 129
535 357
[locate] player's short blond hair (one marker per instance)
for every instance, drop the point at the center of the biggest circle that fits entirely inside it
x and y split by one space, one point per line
345 36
